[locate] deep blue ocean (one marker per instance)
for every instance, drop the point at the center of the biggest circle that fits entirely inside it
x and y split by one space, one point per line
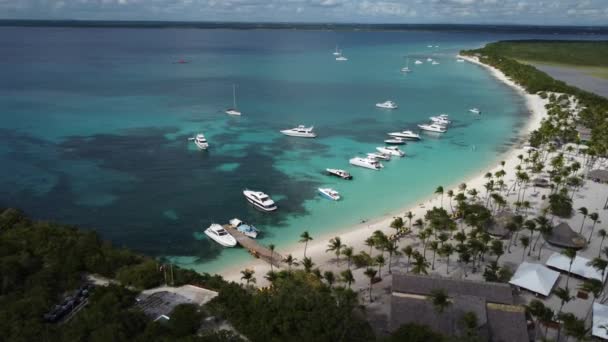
94 127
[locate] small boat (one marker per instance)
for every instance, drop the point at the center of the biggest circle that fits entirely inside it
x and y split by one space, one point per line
418 62
433 128
233 110
391 150
201 141
260 200
406 68
181 61
218 234
475 111
379 155
409 135
434 63
441 120
248 230
395 141
329 193
429 46
429 59
337 52
459 60
301 132
339 173
366 163
340 57
387 105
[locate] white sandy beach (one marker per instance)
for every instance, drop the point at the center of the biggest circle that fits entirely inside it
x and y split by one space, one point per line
355 236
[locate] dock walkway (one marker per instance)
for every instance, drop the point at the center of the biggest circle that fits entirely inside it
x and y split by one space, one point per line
255 248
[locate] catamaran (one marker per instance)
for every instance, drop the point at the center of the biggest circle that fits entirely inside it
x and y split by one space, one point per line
233 110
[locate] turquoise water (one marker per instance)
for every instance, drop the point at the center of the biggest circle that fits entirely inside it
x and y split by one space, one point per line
94 126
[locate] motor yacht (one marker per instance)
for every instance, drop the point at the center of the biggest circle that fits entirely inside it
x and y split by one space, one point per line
418 62
366 163
201 142
233 110
329 193
339 173
379 155
405 135
434 62
248 230
475 111
440 120
433 127
395 141
387 105
260 200
301 132
391 150
218 234
429 59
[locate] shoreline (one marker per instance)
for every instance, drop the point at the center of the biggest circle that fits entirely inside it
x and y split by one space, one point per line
356 235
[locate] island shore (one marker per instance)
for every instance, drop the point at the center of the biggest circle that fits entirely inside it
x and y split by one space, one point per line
355 236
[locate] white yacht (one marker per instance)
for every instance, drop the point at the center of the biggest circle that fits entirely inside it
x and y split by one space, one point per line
405 135
441 120
339 173
337 52
433 128
260 200
201 141
340 57
395 141
459 60
366 163
418 62
379 155
247 229
475 111
391 150
329 193
387 105
434 62
233 110
429 59
301 132
218 234
406 68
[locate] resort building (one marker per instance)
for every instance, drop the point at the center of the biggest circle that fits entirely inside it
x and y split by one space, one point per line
535 278
159 302
498 318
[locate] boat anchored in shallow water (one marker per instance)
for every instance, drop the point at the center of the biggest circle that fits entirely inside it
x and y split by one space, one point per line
395 141
329 193
475 111
233 111
387 105
248 230
260 200
367 163
391 150
301 132
379 155
409 135
418 62
441 119
433 128
201 142
339 173
218 234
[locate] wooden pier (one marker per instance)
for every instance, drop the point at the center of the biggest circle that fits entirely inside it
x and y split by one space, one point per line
255 248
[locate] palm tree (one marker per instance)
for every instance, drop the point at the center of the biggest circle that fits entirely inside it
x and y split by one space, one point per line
330 278
525 242
348 253
542 222
248 276
599 264
563 293
440 300
371 274
601 233
347 277
420 264
392 249
497 249
595 218
531 226
474 193
570 253
545 230
450 195
304 238
370 242
308 264
271 247
335 245
512 229
447 250
584 212
434 246
408 251
380 261
271 276
409 215
593 286
290 261
439 190
577 329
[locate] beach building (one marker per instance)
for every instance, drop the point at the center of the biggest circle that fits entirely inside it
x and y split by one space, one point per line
498 318
598 175
497 225
562 235
579 266
535 278
600 321
159 302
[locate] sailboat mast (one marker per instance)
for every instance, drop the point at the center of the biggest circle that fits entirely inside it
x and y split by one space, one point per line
234 96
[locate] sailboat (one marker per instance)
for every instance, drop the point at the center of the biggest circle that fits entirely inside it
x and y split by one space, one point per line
233 110
406 68
337 52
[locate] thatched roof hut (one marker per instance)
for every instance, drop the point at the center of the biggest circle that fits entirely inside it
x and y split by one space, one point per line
497 225
563 236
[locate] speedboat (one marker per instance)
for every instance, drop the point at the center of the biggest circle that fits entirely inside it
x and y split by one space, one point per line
379 155
387 105
233 110
339 173
218 234
329 193
433 128
391 150
459 60
405 135
429 59
300 131
418 61
201 142
395 141
475 111
434 63
248 230
366 163
260 200
441 120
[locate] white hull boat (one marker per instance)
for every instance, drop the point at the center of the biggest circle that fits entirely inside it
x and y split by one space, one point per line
249 230
387 105
475 111
300 132
366 163
379 155
329 193
395 141
433 128
233 111
418 62
391 150
339 173
218 234
405 135
260 200
201 142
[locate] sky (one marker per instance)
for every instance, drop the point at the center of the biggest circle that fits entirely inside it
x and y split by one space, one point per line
539 12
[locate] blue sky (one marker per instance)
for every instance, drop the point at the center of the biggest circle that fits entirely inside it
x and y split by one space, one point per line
542 12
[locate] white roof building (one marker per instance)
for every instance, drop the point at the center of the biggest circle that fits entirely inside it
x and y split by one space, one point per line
534 277
600 319
579 266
